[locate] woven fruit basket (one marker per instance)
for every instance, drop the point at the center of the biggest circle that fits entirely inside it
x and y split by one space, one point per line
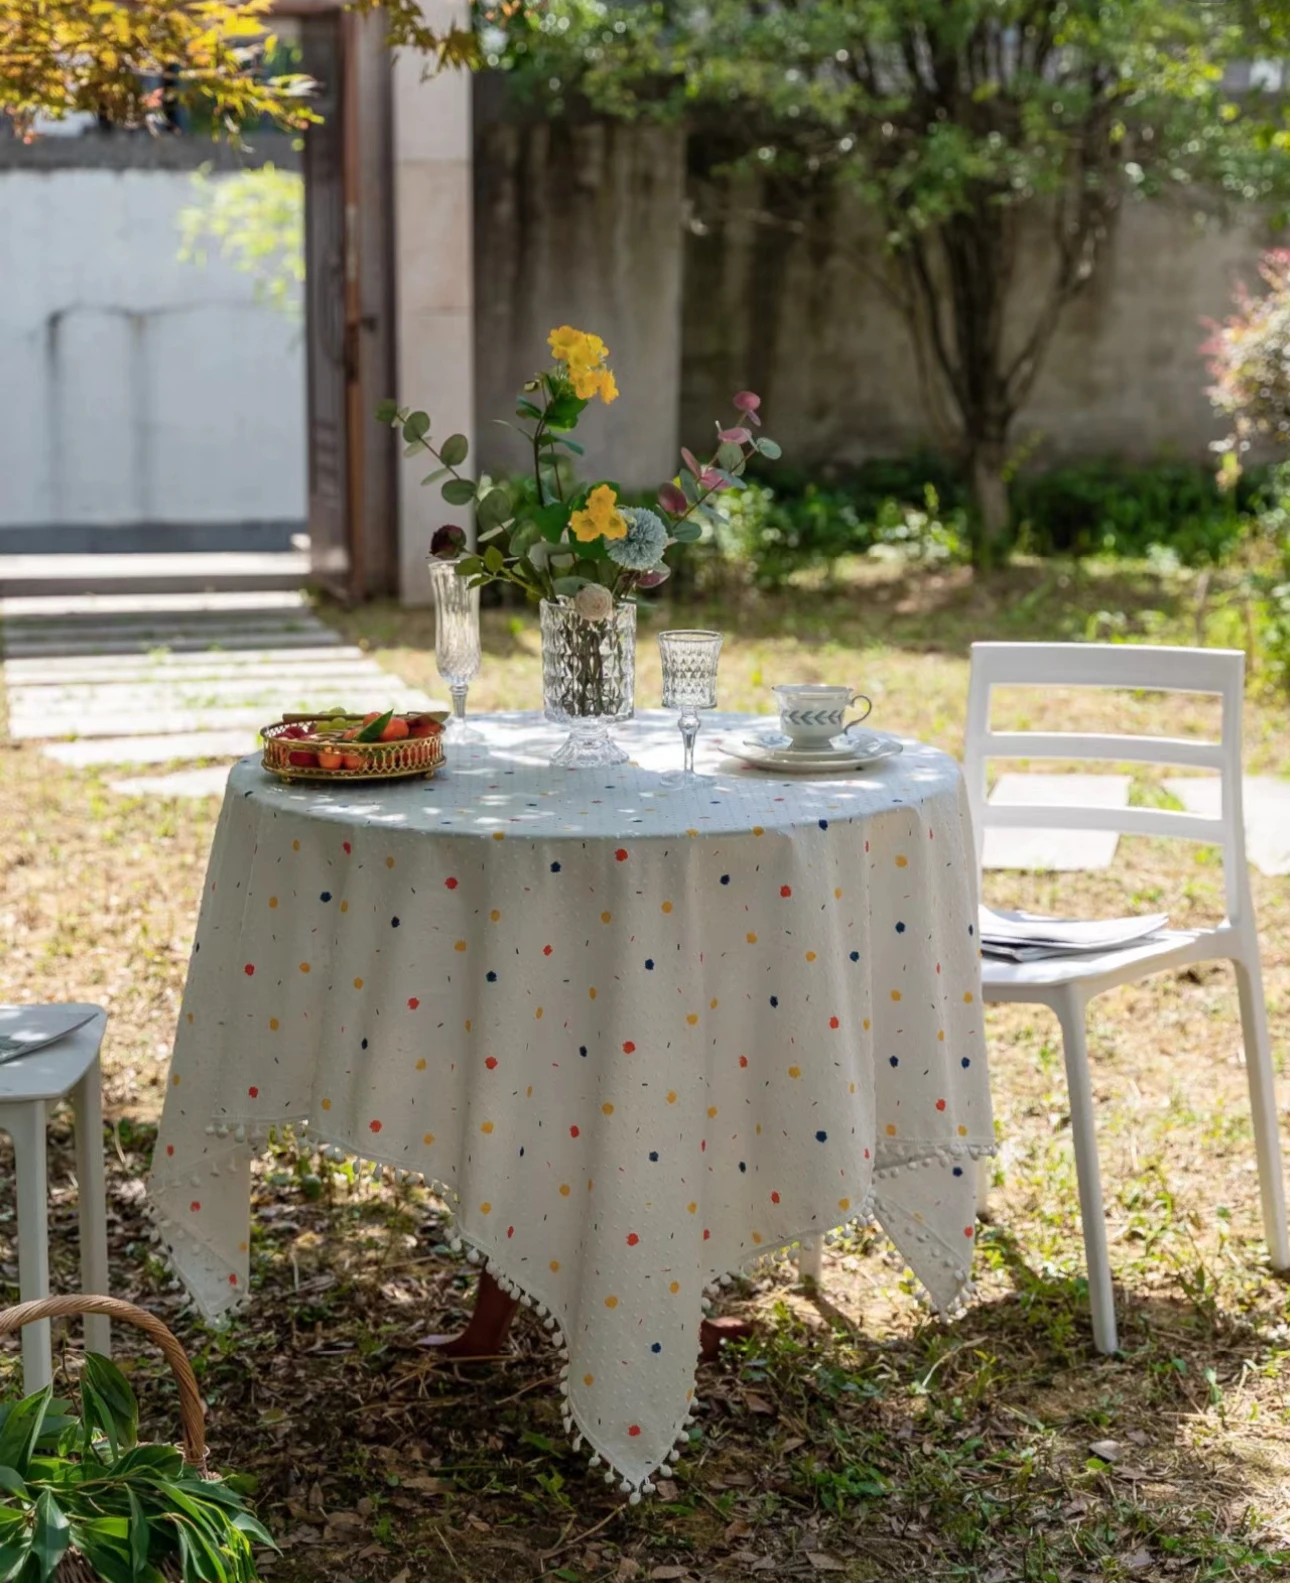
74 1567
327 747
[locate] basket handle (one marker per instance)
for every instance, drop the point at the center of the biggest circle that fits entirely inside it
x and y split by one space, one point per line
191 1415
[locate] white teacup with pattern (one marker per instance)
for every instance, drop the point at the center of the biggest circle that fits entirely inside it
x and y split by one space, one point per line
811 713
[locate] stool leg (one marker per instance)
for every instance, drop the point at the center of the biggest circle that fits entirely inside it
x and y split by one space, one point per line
87 1101
25 1124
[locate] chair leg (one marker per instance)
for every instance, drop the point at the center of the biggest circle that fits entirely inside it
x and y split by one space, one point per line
25 1124
810 1262
984 1182
87 1101
1263 1107
1079 1085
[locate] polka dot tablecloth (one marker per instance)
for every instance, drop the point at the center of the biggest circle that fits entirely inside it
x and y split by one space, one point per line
639 1036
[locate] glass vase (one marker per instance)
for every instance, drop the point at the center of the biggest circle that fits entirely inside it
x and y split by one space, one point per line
588 680
456 641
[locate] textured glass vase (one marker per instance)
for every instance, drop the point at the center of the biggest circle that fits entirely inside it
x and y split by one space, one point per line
588 680
456 641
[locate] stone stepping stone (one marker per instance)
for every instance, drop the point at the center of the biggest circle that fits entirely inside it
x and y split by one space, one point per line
1062 851
89 751
1267 814
209 782
71 669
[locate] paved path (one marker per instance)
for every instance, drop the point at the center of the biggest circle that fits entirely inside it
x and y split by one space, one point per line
136 679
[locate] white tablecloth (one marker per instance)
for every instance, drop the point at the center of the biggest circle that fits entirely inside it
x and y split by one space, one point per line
645 1035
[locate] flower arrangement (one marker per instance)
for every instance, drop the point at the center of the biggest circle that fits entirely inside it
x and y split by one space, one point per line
577 541
1249 359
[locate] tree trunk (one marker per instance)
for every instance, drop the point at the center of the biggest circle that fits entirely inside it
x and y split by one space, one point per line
987 458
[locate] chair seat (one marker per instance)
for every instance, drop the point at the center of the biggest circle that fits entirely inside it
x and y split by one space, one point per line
1098 970
52 1070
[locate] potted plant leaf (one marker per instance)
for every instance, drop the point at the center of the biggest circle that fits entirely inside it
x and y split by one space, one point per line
81 1499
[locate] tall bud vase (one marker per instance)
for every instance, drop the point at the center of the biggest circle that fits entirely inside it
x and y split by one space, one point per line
456 641
588 679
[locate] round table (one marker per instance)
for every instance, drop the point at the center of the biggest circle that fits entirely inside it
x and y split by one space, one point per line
640 1036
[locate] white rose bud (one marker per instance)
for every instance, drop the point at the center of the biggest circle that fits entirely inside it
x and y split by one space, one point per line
594 602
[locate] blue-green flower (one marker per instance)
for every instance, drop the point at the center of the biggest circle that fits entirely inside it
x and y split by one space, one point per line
644 542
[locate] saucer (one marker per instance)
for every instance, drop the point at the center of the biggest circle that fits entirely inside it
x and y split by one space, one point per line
860 752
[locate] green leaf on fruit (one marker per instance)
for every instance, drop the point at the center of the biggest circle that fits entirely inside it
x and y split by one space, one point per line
454 450
372 733
458 491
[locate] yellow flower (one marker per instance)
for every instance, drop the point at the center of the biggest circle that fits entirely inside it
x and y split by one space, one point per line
584 355
600 518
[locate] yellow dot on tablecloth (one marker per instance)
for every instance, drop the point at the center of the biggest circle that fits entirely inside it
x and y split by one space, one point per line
967 997
671 1095
606 917
837 893
693 1208
810 956
495 915
590 1184
427 1138
592 992
941 1036
485 1126
344 906
611 1302
962 1132
751 938
304 967
459 945
891 1129
844 1204
485 1208
358 983
554 1266
795 1071
756 1236
389 862
421 1064
499 835
901 860
692 1017
588 1380
895 994
607 1108
273 1022
295 846
759 1129
241 1247
273 901
853 1088
712 1004
326 1104
565 1189
865 1025
712 1110
667 906
538 1013
529 1092
757 830
691 832
467 1024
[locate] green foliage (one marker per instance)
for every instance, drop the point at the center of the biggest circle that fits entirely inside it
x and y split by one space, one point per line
256 219
86 1484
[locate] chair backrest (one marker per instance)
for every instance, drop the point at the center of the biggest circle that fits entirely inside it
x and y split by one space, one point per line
1121 666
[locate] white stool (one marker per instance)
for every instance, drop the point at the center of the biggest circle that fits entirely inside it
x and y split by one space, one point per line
29 1084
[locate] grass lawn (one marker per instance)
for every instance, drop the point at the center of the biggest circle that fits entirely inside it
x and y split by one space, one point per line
855 1435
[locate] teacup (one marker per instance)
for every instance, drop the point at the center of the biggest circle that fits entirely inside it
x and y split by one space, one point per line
811 713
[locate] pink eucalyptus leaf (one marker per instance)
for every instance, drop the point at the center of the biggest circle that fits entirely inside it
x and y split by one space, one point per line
747 401
691 461
735 436
711 479
753 418
653 579
672 499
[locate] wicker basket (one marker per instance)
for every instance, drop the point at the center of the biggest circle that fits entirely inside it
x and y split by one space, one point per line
380 760
74 1568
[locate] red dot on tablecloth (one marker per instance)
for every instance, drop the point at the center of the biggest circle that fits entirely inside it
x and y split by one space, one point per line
833 1022
703 1144
866 1154
786 890
413 1003
510 1231
232 1280
706 1233
374 1125
940 1104
170 1148
743 1060
628 1047
451 884
634 1430
195 1206
574 1132
347 846
491 1062
774 1198
967 1231
253 1091
632 1239
621 854
866 846
547 949
249 969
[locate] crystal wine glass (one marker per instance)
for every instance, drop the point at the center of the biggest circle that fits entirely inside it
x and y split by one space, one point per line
456 641
689 684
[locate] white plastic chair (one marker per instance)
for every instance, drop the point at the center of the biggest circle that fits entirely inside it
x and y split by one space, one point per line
1068 984
29 1084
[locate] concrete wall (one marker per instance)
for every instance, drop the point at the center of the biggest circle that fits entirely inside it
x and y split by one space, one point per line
136 390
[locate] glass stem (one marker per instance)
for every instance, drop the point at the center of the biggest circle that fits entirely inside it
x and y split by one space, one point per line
459 692
689 724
